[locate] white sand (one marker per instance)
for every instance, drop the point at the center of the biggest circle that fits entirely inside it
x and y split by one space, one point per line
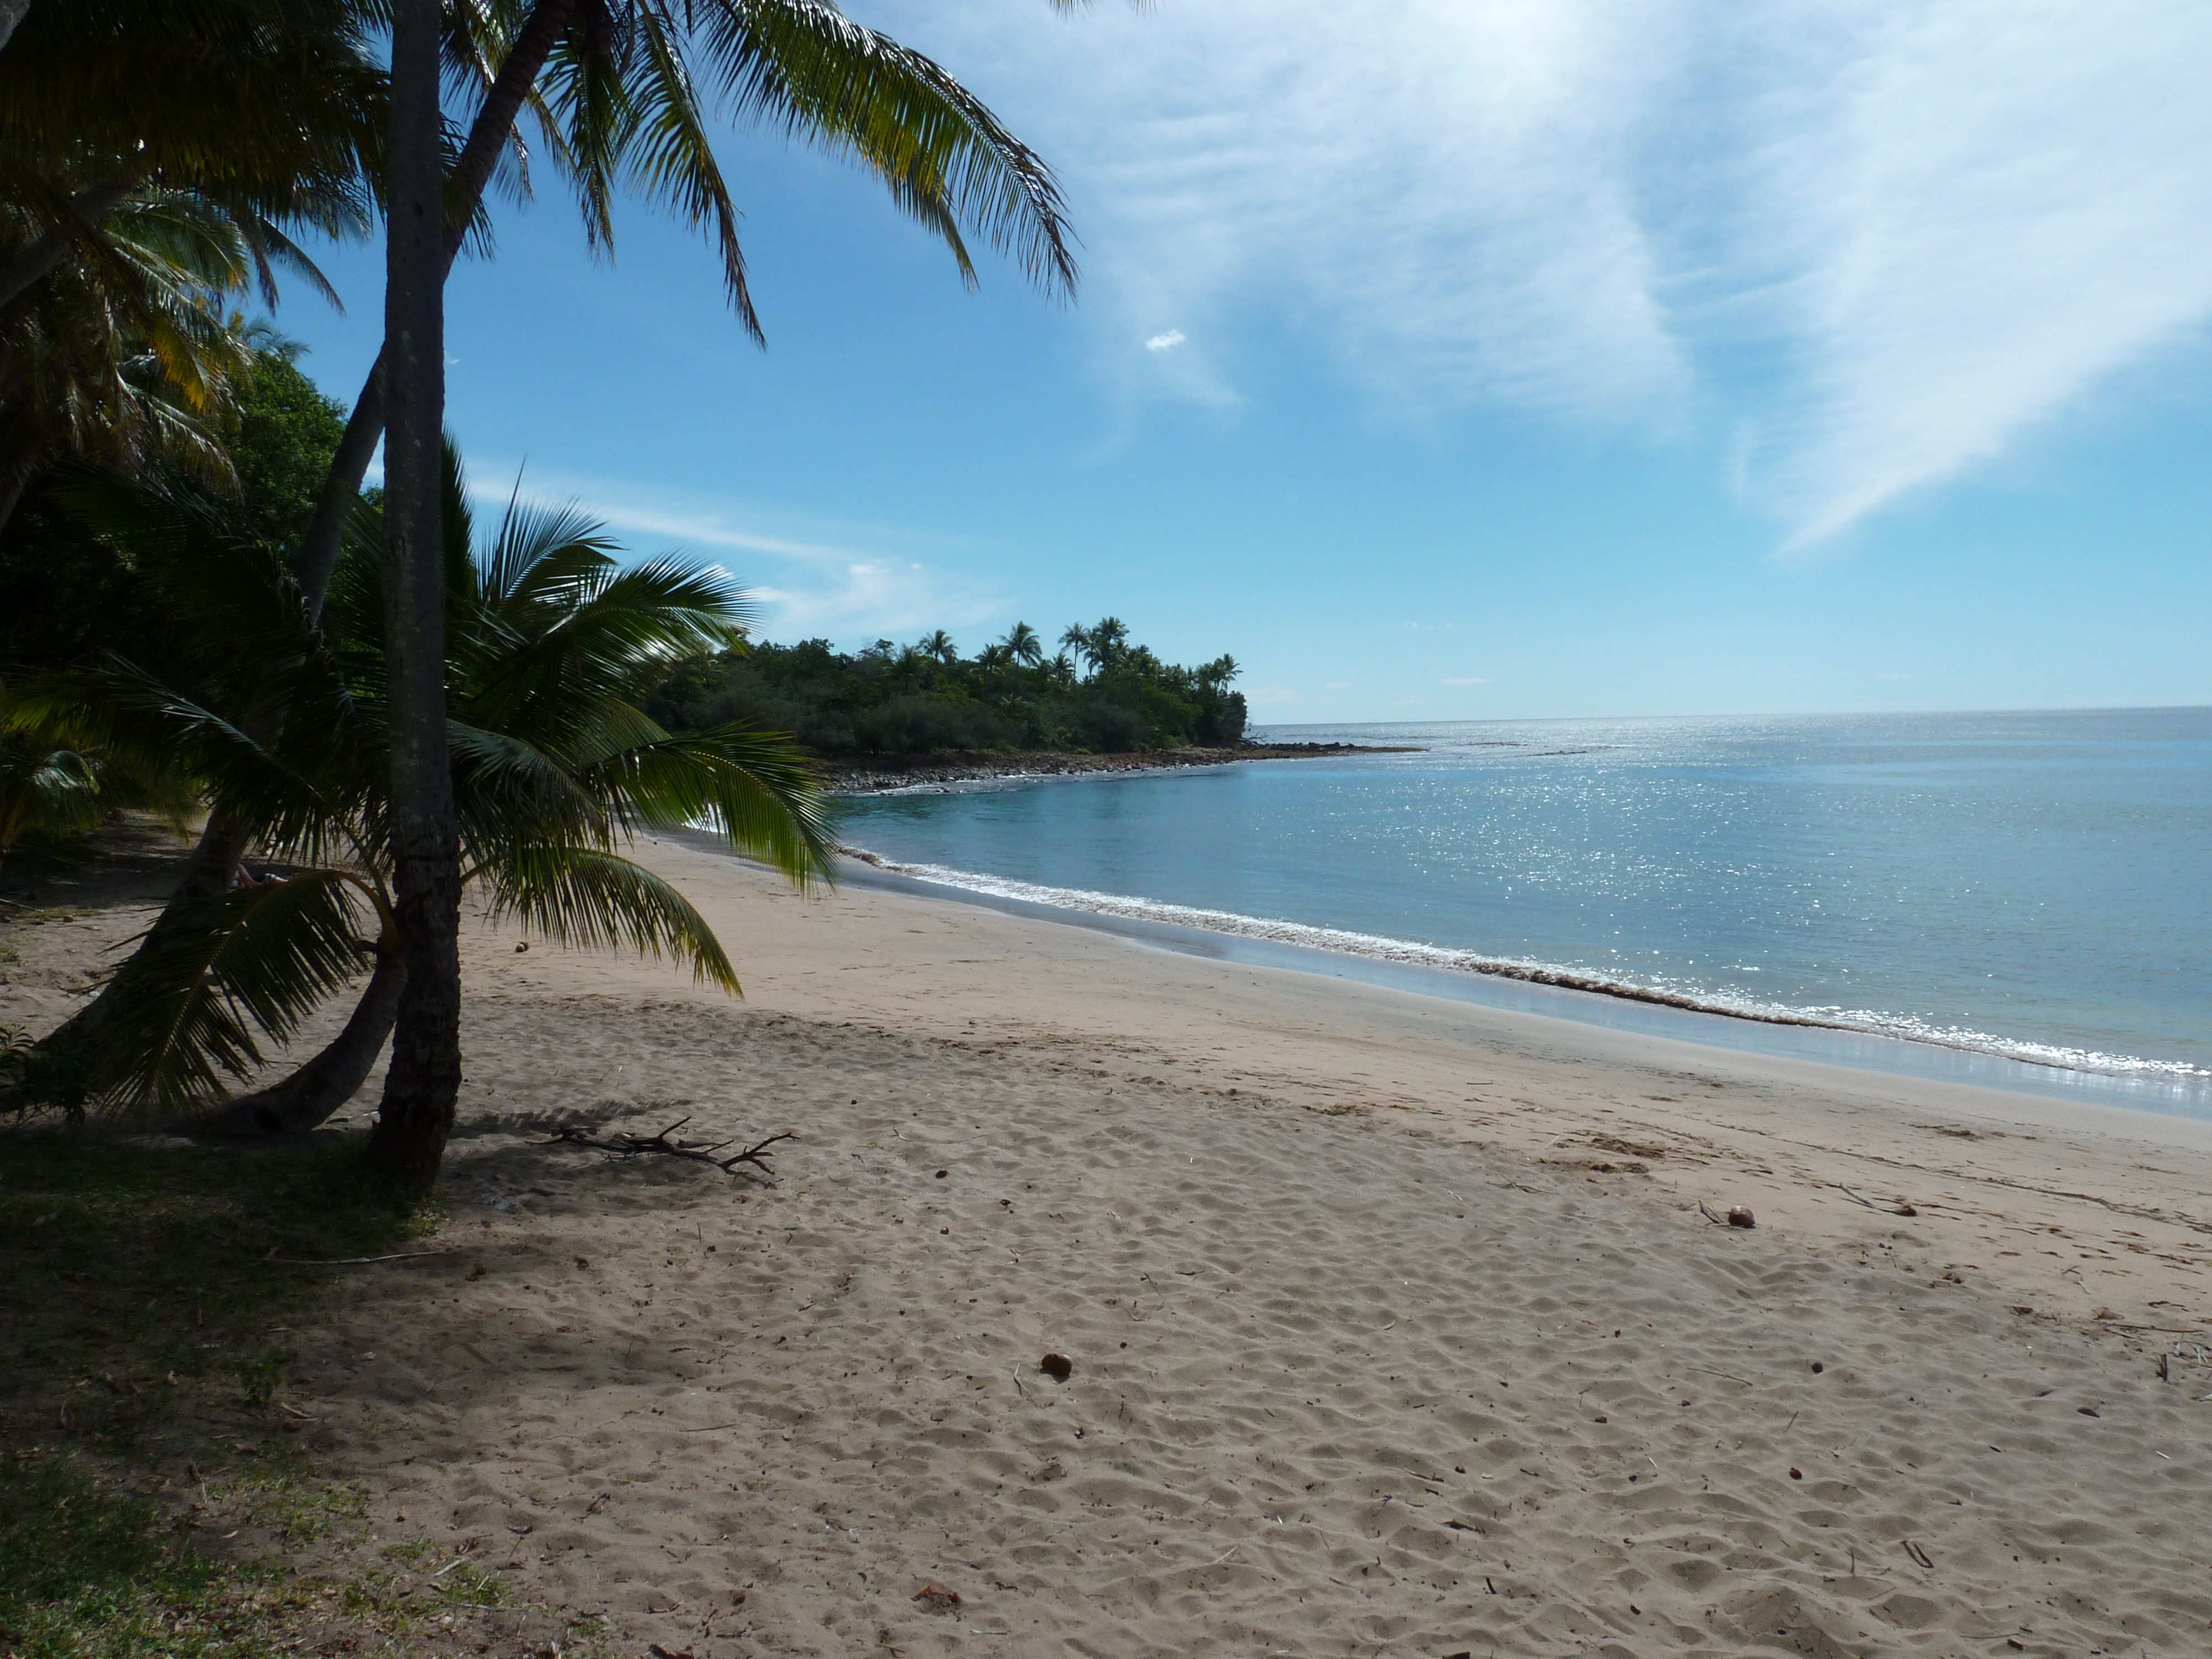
1372 1353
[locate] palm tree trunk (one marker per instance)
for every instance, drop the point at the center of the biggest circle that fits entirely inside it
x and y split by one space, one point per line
307 1099
488 135
11 494
214 859
326 539
424 1077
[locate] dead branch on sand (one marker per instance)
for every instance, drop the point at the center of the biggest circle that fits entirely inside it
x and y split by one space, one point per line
625 1145
1900 1208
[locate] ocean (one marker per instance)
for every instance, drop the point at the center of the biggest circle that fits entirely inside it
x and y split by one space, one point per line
2031 890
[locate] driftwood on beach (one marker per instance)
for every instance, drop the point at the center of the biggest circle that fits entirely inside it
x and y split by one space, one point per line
625 1145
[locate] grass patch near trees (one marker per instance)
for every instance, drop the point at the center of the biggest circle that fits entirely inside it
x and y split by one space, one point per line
153 1499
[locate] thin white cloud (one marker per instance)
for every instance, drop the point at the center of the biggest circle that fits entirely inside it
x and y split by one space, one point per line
1167 342
1877 239
846 589
1997 205
871 599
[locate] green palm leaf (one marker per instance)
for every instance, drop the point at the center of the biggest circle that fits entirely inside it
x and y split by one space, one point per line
805 67
595 899
190 1002
753 787
45 790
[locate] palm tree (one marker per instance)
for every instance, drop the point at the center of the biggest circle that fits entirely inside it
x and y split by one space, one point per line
617 105
423 1080
128 359
46 790
552 646
613 87
1108 642
267 110
939 647
1077 639
1022 645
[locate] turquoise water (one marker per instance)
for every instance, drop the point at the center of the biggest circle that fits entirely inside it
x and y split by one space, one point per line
2031 886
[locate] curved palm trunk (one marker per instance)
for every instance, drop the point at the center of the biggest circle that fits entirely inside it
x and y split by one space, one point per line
76 1043
308 1098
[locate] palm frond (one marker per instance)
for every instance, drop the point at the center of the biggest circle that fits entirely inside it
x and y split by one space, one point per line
192 1006
593 900
755 788
505 786
805 67
46 791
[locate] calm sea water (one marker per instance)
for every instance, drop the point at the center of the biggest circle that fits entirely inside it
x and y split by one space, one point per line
2033 885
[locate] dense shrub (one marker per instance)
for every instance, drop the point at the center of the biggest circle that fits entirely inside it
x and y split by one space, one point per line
1103 695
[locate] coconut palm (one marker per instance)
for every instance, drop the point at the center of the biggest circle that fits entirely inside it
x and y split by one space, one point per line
1022 645
1108 642
128 359
268 110
614 85
622 95
46 790
1076 640
553 644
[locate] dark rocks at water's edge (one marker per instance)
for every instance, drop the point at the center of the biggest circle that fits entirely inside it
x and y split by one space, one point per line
865 774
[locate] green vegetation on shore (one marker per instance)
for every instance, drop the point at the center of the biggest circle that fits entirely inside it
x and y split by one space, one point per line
1100 694
161 159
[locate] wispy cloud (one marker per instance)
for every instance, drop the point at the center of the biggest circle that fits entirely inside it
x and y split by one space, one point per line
1167 342
1876 238
852 587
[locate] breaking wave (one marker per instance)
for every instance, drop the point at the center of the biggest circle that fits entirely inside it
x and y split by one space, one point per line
1377 948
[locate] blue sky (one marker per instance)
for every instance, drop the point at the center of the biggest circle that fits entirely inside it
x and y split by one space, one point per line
1446 359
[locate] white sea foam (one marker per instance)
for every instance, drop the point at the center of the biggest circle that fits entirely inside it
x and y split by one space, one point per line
1375 947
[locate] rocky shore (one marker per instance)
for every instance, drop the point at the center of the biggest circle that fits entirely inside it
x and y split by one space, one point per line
868 774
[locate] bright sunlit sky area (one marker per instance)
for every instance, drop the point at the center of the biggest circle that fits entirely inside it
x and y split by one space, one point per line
1442 359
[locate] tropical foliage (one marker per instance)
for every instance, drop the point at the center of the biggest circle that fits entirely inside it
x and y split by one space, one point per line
68 595
1099 693
552 642
156 157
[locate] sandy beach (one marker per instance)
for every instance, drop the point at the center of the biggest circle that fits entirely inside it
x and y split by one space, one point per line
1397 1325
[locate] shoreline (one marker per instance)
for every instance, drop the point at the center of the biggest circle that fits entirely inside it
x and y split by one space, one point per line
884 775
2187 1089
1389 1316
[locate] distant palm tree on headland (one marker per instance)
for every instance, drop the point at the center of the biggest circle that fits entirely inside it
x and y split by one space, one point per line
1022 645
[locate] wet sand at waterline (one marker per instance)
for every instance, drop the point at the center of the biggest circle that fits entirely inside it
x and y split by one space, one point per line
1397 1324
